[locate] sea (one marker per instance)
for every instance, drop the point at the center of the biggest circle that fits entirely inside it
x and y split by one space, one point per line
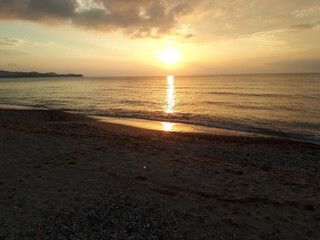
285 105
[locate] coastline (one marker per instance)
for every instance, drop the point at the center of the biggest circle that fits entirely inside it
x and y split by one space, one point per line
153 126
57 165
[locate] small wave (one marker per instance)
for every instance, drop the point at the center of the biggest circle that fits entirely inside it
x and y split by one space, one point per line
225 124
132 102
191 119
23 106
232 105
249 94
269 95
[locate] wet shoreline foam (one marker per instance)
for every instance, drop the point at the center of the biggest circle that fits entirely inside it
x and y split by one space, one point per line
21 107
179 126
169 126
191 127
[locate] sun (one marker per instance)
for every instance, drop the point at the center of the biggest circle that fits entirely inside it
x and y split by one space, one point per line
170 55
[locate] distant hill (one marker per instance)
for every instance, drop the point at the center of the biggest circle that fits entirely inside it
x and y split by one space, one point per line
6 74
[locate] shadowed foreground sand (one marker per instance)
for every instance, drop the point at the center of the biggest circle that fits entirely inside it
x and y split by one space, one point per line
65 176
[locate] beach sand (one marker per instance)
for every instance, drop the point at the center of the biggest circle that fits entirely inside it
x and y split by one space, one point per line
67 176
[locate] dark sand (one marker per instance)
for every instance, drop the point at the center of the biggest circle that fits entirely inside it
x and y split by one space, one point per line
66 176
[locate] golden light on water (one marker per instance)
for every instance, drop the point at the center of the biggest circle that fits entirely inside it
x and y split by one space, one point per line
167 126
170 103
169 107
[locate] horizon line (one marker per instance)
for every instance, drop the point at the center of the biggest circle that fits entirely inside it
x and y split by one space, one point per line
203 75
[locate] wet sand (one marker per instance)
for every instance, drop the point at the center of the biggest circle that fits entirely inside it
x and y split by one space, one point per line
67 176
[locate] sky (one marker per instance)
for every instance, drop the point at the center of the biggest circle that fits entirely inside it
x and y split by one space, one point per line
160 37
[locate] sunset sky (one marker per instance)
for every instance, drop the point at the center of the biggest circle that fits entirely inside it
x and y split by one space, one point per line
139 37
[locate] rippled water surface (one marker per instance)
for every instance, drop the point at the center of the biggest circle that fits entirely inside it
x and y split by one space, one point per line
281 104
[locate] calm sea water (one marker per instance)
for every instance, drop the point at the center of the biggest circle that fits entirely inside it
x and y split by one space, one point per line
280 104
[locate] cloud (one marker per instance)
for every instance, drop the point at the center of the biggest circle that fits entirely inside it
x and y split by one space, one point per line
136 18
11 41
207 19
301 27
224 20
37 10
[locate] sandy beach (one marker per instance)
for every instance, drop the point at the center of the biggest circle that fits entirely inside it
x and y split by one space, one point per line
67 176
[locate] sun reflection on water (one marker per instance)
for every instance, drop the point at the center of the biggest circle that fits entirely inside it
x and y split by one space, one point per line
170 103
167 126
169 107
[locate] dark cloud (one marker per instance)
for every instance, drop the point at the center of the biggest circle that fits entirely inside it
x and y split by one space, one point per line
38 10
137 18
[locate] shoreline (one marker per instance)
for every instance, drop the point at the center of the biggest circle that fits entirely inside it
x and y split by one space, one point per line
147 125
65 177
185 128
57 119
152 126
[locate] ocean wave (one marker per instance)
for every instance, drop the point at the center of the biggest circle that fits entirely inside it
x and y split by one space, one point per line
256 107
220 123
269 95
136 102
279 105
202 120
